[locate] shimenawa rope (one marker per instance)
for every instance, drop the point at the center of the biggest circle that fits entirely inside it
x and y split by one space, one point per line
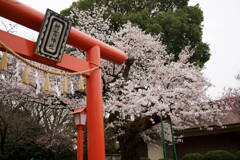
44 69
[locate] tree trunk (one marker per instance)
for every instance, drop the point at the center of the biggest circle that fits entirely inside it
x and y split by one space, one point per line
3 140
132 147
56 156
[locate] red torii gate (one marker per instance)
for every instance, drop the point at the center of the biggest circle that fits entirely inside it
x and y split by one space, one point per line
29 17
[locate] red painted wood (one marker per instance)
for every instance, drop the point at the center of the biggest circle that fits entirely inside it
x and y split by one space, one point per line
95 125
25 48
80 142
29 17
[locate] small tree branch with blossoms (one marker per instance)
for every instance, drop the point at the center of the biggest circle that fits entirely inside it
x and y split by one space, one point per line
231 98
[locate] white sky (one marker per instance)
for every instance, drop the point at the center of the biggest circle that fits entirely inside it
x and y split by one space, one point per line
221 31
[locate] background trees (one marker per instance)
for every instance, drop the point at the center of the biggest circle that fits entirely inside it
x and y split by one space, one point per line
150 86
34 123
18 128
179 24
231 98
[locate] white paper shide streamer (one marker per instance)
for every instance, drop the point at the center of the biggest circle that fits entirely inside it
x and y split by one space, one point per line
2 76
57 90
17 72
71 87
38 85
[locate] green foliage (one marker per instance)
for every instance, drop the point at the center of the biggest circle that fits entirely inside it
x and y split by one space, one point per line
237 155
219 155
179 29
178 23
193 156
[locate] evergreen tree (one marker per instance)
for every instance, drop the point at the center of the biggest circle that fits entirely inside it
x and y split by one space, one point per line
180 25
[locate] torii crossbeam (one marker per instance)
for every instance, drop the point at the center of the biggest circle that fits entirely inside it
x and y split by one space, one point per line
29 17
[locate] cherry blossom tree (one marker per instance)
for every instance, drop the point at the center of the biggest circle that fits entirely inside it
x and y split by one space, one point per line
231 98
152 88
149 87
49 109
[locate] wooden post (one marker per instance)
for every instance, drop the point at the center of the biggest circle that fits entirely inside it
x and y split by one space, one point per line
95 124
79 142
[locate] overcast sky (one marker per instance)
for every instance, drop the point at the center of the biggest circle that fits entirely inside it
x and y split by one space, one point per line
221 30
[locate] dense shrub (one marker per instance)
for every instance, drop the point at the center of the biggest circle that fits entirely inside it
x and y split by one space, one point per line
193 156
219 155
237 154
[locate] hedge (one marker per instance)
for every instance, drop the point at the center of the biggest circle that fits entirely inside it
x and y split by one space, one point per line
219 155
193 156
237 154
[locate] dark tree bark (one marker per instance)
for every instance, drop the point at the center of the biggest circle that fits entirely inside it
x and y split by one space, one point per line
3 135
132 147
128 65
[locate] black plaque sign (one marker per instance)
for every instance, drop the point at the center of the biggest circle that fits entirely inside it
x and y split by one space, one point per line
53 36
